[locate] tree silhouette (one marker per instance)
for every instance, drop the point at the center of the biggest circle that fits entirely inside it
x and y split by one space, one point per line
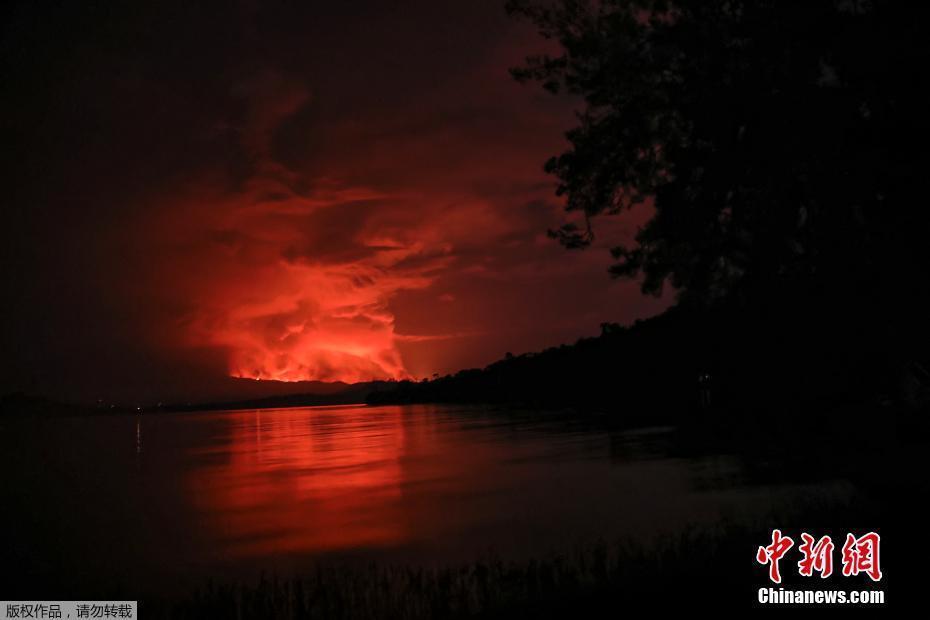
775 140
782 146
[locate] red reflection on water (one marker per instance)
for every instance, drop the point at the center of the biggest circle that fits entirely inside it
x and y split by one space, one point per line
303 480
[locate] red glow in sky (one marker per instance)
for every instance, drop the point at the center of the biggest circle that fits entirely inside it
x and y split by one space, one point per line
362 265
308 192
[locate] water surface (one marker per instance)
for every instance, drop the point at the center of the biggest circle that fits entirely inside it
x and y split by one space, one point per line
168 500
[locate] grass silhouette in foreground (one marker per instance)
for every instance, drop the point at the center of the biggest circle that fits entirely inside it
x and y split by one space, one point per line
701 567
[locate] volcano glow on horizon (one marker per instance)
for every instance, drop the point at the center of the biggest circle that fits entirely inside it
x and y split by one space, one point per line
318 324
349 362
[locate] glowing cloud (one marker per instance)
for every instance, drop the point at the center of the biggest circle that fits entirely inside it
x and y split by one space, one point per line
288 273
289 303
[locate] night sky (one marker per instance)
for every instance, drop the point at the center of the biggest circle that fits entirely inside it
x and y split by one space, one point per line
304 191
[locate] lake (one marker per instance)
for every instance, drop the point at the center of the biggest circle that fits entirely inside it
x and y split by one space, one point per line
162 502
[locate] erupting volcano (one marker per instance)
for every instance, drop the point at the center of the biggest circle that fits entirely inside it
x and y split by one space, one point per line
307 341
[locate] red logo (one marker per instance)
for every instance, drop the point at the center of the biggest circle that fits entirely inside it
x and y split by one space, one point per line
859 555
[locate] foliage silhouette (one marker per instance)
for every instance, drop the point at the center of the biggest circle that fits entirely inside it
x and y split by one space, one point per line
776 144
780 360
775 140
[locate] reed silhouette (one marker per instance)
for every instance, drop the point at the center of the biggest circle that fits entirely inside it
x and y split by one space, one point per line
701 567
